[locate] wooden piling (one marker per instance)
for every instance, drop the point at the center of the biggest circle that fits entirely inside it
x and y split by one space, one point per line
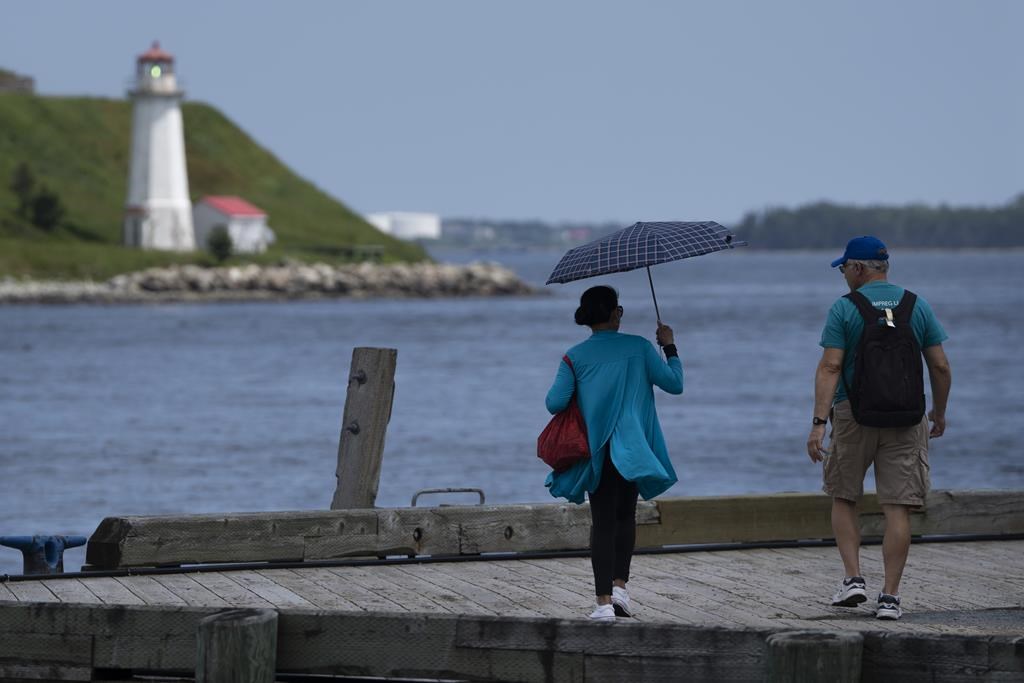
800 656
371 390
237 646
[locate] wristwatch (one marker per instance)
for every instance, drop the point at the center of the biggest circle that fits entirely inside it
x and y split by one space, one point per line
819 421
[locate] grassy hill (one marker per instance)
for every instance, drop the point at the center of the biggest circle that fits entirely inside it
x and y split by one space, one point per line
80 147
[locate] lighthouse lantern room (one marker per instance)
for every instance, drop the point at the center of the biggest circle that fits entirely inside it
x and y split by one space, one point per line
158 211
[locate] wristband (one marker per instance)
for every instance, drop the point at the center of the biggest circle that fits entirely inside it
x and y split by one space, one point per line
670 350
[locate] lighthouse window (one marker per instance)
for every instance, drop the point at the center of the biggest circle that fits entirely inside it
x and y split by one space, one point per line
155 71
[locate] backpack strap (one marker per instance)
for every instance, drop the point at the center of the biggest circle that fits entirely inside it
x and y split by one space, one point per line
870 315
905 309
867 311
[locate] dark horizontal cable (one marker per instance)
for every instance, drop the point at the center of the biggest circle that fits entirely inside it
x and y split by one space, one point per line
496 556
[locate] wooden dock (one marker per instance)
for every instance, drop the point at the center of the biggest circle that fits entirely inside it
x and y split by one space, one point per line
947 589
701 615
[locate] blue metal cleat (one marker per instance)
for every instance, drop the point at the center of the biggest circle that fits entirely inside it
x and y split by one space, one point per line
43 554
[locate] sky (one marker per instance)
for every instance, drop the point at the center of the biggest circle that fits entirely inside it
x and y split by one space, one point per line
580 111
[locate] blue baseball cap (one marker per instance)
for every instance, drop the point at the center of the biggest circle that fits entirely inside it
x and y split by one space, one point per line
865 248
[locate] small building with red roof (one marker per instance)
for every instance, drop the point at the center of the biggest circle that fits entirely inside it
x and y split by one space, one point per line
245 223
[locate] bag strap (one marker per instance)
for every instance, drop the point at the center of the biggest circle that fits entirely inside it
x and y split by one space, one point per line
575 380
905 309
869 313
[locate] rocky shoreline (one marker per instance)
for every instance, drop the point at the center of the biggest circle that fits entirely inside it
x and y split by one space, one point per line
287 281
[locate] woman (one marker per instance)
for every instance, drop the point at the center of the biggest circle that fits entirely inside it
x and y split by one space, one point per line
612 376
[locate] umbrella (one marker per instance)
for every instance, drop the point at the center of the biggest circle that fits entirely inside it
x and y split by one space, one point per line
642 245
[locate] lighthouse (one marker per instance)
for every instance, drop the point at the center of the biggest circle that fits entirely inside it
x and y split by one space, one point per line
158 211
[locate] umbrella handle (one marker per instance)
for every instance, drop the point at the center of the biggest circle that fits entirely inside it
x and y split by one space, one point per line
649 280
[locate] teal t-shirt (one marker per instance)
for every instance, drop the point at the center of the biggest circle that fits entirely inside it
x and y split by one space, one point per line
844 325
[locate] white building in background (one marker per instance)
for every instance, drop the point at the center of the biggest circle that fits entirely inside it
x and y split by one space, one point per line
245 223
158 211
406 225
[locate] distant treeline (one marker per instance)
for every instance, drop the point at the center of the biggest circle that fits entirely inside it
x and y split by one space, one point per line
825 225
814 226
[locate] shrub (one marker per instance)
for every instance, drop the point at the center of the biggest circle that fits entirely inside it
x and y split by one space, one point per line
47 209
23 184
219 243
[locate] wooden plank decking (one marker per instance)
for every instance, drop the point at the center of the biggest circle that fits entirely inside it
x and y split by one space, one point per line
947 589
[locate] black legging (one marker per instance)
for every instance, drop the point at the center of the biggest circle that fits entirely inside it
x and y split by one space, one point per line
613 529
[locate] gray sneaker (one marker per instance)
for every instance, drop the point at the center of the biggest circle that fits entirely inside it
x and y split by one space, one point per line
852 591
888 607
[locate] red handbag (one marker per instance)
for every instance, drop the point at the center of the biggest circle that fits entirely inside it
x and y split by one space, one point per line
563 443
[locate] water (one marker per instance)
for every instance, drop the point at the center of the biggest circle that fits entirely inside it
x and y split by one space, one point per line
127 410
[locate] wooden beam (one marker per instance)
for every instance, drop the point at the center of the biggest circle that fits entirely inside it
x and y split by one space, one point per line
371 390
469 530
736 519
321 535
971 512
163 641
815 656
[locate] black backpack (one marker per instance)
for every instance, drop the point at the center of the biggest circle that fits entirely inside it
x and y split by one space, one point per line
888 375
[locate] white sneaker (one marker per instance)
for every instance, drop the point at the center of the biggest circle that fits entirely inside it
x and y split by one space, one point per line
603 613
620 601
852 591
888 607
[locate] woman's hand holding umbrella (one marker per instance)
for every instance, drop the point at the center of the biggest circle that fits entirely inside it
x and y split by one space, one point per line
664 335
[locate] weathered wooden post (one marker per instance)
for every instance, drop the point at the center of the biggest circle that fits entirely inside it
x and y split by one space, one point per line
237 646
371 389
800 656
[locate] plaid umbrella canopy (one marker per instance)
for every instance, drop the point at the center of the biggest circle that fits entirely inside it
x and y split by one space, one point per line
643 245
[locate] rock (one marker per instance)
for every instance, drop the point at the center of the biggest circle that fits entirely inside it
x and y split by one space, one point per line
285 280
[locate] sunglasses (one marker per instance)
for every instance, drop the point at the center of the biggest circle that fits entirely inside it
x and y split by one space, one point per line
842 268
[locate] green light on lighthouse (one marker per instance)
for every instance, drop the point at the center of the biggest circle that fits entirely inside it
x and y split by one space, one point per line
155 71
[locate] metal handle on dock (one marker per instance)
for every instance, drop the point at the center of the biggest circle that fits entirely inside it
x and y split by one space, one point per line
479 492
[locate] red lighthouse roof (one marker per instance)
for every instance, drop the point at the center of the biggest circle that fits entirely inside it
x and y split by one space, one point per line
156 54
233 206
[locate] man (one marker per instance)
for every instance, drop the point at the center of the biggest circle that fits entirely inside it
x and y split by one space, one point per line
898 453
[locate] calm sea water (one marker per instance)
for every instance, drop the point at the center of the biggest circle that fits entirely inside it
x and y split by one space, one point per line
118 410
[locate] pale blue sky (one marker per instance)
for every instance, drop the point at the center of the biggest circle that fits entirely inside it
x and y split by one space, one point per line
581 110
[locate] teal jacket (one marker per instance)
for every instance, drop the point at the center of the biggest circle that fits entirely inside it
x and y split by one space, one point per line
614 380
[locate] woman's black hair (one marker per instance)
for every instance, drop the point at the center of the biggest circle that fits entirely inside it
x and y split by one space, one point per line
596 305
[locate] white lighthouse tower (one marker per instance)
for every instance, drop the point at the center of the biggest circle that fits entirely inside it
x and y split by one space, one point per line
158 213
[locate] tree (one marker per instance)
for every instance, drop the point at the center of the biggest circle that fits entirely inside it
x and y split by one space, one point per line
219 243
23 184
47 209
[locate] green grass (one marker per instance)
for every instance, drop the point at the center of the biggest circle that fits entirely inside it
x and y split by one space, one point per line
76 260
80 148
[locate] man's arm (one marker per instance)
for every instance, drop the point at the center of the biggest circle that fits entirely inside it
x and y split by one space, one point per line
941 376
826 378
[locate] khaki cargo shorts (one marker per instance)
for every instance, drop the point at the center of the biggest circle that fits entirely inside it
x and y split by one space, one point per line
899 454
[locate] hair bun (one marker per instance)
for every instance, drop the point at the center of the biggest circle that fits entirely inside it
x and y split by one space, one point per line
596 306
